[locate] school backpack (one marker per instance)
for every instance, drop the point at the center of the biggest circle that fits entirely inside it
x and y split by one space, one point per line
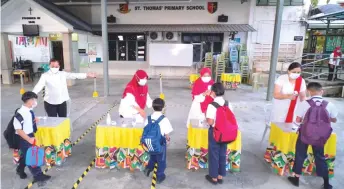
10 135
226 127
316 128
152 140
34 156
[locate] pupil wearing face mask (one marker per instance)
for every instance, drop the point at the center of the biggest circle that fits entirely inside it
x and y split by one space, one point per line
135 97
289 91
200 96
24 123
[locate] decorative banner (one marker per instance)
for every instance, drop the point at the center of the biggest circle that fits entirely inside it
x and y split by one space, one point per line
31 41
35 49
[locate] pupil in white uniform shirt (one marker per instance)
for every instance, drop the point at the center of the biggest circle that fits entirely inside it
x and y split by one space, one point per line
135 97
286 94
56 93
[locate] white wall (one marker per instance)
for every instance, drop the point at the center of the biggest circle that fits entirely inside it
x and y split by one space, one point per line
264 20
260 17
12 13
237 13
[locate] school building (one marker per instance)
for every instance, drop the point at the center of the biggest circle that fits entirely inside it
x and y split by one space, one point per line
70 30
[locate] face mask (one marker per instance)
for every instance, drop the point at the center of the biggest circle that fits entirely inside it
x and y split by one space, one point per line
206 79
142 82
54 70
34 105
294 75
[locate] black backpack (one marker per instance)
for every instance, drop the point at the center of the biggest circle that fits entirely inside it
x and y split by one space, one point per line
10 133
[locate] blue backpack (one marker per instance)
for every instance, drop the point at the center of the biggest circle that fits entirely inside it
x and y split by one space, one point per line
151 140
34 156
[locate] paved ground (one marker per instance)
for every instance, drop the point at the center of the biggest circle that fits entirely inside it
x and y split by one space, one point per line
85 110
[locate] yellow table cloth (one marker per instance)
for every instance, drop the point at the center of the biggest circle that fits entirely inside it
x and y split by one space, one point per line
281 152
193 78
231 80
197 150
54 135
119 147
231 77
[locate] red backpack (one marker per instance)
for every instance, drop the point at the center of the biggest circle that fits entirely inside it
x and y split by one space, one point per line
226 127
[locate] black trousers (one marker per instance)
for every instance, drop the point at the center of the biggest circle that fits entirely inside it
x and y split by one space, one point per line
331 70
56 110
301 155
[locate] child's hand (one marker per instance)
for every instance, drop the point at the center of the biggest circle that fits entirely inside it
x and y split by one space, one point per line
31 140
36 120
167 138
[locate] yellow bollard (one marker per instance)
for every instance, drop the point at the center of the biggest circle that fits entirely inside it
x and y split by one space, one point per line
162 96
22 90
95 93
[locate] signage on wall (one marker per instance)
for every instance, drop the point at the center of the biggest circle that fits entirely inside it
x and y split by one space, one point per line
124 8
211 7
298 38
31 19
55 37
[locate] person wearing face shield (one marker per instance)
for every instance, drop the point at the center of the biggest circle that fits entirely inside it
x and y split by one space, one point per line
334 61
135 97
290 90
56 93
201 96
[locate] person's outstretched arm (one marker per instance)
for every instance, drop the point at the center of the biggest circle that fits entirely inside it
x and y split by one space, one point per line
80 75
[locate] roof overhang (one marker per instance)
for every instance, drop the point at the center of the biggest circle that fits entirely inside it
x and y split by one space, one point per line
338 15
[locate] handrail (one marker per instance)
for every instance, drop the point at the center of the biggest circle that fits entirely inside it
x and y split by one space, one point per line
315 61
323 73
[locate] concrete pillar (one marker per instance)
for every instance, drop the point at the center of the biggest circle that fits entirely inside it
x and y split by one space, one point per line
76 57
6 62
105 47
225 43
275 46
68 55
250 35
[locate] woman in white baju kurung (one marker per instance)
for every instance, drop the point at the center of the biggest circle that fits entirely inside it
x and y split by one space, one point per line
290 89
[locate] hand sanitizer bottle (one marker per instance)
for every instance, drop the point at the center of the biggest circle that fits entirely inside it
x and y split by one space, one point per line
108 119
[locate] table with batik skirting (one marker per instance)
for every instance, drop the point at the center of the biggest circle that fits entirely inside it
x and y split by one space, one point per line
53 133
281 151
197 149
